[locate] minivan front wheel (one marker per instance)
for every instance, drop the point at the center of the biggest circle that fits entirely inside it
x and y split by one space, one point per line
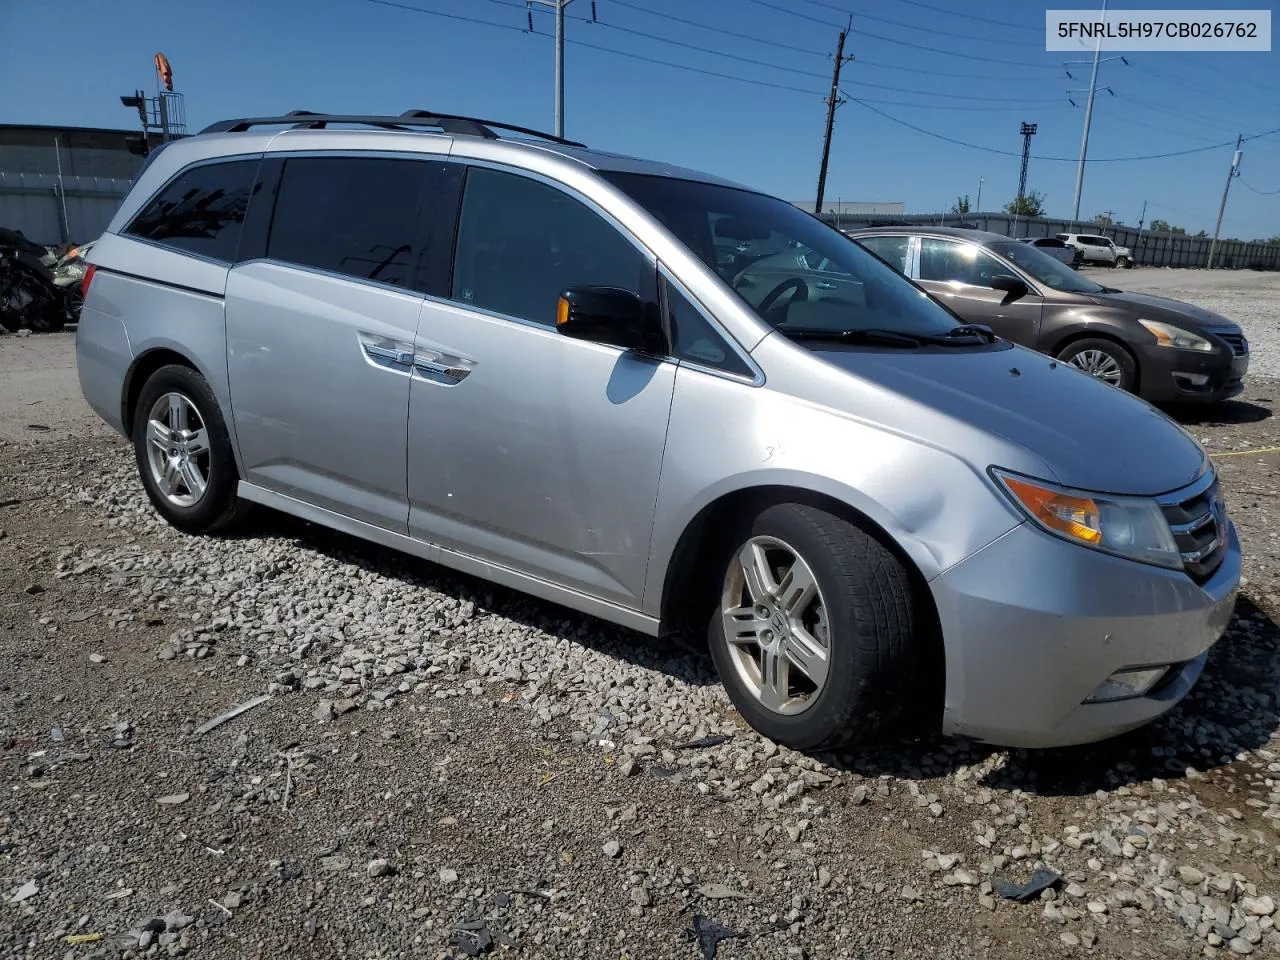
1103 359
814 636
184 452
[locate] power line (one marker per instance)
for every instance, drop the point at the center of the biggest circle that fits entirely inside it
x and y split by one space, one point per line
1011 153
908 26
904 43
1263 193
970 16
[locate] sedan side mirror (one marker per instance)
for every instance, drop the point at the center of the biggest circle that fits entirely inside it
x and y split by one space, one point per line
612 316
1010 284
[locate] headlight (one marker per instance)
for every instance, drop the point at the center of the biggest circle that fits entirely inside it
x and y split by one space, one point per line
74 270
1132 527
1170 336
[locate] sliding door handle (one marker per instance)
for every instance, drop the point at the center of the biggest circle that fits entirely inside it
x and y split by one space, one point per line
388 355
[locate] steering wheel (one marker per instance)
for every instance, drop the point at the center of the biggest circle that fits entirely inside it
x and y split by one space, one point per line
801 294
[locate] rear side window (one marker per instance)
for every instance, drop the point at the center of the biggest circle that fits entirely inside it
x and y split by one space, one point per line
201 211
354 216
892 249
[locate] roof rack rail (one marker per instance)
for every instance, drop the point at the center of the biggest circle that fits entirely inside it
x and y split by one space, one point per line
447 122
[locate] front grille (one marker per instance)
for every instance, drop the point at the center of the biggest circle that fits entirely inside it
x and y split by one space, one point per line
1236 341
1198 522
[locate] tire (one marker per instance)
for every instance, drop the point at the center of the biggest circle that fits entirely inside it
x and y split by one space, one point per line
205 446
1125 262
870 622
1104 359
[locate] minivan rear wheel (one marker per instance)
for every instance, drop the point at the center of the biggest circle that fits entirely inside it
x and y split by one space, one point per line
1103 359
184 452
815 633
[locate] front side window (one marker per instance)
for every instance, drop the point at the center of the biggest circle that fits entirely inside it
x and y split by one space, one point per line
766 251
893 249
521 242
201 211
1045 269
952 261
354 216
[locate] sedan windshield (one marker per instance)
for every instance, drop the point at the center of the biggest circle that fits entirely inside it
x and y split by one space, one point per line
1049 271
797 274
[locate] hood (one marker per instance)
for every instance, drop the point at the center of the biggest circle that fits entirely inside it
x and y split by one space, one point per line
1162 308
1091 435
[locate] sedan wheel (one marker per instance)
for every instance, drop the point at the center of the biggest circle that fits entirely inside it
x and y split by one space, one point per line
1104 360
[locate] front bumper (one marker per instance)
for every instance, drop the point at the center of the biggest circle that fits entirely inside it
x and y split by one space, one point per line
1182 376
1033 625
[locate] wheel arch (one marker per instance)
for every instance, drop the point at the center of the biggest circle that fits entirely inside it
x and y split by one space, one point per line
140 370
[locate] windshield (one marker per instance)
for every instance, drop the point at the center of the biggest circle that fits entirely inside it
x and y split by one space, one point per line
1044 268
796 273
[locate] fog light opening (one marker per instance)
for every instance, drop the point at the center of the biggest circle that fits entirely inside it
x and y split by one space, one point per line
1191 379
1127 684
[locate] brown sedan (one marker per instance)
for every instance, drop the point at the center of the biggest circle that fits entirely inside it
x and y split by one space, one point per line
1164 350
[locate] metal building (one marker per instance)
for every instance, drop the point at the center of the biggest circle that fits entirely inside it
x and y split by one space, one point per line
63 184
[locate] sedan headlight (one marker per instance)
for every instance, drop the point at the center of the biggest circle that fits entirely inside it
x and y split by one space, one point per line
1168 335
1131 527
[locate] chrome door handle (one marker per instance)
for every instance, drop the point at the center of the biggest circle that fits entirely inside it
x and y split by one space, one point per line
436 370
391 356
824 285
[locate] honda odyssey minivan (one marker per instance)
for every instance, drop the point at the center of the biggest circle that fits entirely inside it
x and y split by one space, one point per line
552 368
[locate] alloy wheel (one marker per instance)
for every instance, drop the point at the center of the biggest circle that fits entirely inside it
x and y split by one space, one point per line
776 626
1098 364
178 450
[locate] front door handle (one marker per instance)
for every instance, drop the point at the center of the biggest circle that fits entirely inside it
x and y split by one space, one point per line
403 357
824 285
435 369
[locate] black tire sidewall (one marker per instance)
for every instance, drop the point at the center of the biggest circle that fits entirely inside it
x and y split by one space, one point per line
1128 366
853 704
220 494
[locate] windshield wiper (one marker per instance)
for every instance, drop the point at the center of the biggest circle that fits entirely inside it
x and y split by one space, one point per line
871 335
965 330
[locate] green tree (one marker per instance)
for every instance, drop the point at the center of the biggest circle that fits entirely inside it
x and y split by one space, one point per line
1202 234
1028 205
1103 221
1163 226
961 205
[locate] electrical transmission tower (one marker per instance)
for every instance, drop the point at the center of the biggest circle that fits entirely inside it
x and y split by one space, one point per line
1028 131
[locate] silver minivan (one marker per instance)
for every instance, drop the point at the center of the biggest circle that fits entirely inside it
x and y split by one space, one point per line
557 369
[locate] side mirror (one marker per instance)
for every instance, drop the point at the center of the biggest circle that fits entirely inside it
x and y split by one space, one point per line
610 315
1010 284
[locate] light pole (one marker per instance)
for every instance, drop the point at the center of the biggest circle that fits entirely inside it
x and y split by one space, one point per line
977 207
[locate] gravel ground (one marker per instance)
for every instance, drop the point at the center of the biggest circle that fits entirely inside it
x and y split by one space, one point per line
447 769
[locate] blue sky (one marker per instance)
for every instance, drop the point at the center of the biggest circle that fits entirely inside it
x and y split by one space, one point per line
67 63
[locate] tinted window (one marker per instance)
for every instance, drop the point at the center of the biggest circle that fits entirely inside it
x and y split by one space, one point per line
950 261
763 248
695 339
892 249
349 215
201 211
521 242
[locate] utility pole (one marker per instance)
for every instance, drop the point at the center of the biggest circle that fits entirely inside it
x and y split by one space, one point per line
833 101
558 6
1088 116
1028 131
977 207
1231 175
1142 217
